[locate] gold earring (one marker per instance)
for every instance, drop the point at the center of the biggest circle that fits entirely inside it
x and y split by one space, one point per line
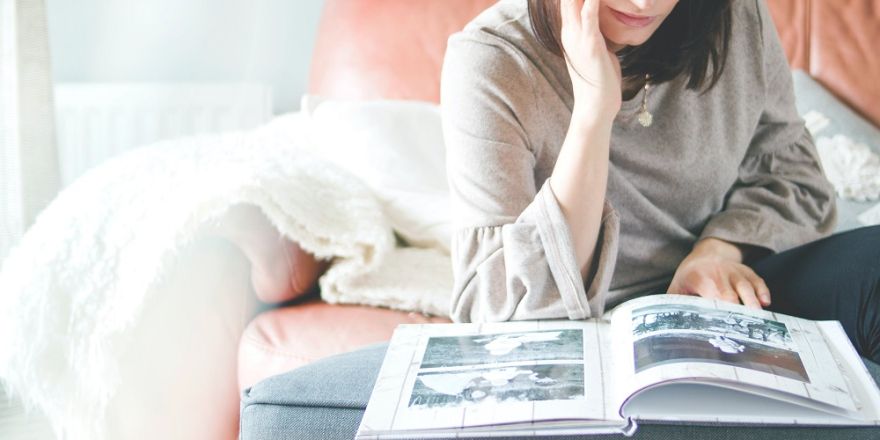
645 117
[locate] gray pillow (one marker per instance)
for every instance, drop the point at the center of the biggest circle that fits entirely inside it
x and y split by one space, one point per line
811 96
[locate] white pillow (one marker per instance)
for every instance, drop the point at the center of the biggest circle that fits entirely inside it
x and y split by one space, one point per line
396 148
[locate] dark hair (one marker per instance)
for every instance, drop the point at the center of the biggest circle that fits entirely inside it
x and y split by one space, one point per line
695 35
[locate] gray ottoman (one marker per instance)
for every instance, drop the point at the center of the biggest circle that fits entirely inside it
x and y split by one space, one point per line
326 399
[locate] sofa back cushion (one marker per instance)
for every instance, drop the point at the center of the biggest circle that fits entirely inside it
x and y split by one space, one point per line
394 48
386 48
836 42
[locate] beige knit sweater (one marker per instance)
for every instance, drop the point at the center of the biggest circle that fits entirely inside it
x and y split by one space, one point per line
734 163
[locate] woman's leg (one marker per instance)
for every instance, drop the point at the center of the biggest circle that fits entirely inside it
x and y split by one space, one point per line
178 377
837 278
280 269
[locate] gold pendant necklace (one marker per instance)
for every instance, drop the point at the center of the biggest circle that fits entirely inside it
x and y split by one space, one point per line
645 117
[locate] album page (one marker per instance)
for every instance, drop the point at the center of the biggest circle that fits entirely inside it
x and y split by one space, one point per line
516 376
754 354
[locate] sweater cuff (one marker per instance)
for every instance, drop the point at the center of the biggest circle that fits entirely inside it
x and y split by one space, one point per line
580 301
743 227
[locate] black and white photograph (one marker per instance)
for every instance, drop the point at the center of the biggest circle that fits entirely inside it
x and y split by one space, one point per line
650 320
453 351
680 347
516 383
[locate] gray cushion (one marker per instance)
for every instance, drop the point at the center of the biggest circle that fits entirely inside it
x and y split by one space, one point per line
811 96
326 399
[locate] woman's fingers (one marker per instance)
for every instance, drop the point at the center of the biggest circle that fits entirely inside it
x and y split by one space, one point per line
714 278
728 294
570 11
593 69
680 285
580 22
738 287
590 15
745 291
760 287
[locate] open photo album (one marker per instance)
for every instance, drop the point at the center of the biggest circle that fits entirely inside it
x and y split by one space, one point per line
654 358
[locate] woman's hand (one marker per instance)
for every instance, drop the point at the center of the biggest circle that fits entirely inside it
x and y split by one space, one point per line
714 269
593 68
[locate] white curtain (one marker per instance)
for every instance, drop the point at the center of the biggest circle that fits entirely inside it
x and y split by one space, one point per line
29 170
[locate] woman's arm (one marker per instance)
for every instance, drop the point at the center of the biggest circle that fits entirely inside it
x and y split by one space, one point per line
514 254
580 176
781 199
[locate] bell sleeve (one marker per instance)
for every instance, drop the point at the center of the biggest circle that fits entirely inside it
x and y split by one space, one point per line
512 252
782 198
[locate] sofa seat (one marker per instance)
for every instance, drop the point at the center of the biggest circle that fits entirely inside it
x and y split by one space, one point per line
280 340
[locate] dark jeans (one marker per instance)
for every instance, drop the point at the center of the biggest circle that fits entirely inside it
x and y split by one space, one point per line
837 278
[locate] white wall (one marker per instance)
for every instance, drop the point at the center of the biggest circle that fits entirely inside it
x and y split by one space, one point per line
263 41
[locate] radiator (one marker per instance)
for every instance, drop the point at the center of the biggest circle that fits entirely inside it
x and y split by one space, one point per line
96 121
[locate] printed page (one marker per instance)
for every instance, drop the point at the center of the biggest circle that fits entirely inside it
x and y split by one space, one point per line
860 383
674 403
676 337
455 376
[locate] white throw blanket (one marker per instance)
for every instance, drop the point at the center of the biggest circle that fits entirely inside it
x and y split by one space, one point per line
853 168
71 292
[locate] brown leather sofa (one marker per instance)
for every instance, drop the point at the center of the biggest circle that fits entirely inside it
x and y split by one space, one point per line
836 42
394 49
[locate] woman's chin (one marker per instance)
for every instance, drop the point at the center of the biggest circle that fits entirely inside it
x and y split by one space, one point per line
614 45
618 42
616 38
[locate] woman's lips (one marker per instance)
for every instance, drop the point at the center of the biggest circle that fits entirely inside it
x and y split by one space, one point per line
632 20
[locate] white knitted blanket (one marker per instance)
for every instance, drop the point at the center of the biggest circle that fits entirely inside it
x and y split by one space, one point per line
853 168
71 292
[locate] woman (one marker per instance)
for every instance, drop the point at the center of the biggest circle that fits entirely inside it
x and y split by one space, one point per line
604 149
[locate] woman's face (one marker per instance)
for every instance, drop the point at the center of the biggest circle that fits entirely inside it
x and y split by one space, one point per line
631 22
